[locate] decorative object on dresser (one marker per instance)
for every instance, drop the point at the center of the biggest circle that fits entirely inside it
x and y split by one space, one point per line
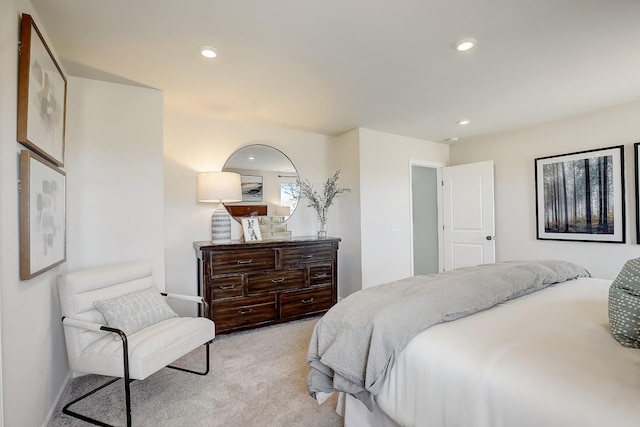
251 229
321 202
248 285
274 227
219 187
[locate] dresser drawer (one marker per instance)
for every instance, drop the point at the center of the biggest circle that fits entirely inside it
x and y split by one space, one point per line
304 255
298 303
320 275
240 261
226 287
231 314
275 280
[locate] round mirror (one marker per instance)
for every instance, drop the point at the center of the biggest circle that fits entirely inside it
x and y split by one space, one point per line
268 182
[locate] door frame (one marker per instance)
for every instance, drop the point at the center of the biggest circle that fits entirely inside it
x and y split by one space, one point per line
433 165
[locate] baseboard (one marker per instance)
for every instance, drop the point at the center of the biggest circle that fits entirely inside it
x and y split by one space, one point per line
56 401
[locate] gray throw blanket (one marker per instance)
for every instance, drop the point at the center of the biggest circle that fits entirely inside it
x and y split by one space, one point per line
356 342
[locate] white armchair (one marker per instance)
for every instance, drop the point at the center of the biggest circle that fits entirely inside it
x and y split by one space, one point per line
116 323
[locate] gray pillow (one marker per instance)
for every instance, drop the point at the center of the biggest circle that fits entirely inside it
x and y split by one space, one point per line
624 305
135 311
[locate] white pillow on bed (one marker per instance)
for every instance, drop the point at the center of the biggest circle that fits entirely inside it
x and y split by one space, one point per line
135 311
624 305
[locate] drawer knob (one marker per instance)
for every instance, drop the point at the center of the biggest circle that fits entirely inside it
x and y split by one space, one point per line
321 275
307 301
245 261
306 256
276 281
223 287
243 312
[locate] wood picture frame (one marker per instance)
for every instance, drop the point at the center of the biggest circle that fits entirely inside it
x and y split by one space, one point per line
43 230
42 96
580 196
251 229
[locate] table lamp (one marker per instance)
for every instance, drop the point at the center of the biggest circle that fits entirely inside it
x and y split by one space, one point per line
219 187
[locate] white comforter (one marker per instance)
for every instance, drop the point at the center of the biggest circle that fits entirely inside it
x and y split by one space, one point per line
545 359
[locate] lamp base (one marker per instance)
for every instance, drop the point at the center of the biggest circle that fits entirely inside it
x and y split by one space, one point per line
220 225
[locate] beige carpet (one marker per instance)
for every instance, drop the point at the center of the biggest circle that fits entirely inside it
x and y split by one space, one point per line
257 378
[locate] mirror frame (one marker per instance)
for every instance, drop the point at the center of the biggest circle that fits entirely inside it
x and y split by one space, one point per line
264 207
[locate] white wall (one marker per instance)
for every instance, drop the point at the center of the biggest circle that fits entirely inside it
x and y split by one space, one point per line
195 144
33 365
346 157
385 194
115 184
514 153
114 211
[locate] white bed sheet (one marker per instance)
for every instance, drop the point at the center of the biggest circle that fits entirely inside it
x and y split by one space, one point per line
545 359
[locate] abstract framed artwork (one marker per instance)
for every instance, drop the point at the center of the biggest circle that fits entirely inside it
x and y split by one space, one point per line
42 96
43 240
580 196
251 188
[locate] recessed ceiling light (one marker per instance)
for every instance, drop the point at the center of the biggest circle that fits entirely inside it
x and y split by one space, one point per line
452 139
466 44
464 122
208 51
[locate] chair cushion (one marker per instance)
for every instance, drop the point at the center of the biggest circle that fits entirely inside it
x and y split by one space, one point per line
150 349
624 305
135 311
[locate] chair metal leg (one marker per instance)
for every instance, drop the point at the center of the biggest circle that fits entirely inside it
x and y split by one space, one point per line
177 368
67 411
127 381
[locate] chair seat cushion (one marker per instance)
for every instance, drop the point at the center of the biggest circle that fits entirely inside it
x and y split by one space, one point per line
150 349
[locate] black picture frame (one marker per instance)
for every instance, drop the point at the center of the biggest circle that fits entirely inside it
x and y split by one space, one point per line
636 157
580 196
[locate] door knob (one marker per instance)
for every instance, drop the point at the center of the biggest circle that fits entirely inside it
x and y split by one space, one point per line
489 237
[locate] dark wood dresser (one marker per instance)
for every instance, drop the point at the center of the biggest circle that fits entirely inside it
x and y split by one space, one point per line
254 284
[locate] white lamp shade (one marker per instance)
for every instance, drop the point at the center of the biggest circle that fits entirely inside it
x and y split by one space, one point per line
216 187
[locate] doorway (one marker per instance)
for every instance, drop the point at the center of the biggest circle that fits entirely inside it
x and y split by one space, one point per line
452 216
425 207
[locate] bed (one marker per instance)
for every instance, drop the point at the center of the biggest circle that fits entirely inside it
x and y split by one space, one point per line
545 358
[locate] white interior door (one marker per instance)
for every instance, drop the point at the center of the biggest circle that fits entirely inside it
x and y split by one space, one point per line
468 215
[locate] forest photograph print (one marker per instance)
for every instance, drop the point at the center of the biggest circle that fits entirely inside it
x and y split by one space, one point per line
580 196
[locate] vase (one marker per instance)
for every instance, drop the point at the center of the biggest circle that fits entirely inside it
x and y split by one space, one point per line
322 224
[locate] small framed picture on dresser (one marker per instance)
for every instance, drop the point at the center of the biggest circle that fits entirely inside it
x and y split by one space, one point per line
251 229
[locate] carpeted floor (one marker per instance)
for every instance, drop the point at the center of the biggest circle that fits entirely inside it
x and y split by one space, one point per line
257 378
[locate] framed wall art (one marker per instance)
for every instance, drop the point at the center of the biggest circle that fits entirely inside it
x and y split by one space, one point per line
580 196
636 155
251 188
42 96
43 231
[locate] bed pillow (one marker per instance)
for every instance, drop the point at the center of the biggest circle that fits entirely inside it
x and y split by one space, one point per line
135 311
624 305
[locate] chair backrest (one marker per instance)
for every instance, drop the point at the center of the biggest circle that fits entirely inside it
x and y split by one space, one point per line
78 290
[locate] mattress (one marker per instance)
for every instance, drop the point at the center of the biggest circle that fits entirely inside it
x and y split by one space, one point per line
545 359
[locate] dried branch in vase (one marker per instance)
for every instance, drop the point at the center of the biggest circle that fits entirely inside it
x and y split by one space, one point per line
321 202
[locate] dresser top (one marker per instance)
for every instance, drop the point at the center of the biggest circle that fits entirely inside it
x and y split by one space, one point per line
241 244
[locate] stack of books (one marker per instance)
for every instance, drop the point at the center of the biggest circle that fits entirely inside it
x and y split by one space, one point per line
272 228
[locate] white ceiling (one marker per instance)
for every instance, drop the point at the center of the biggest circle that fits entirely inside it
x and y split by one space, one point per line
329 66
